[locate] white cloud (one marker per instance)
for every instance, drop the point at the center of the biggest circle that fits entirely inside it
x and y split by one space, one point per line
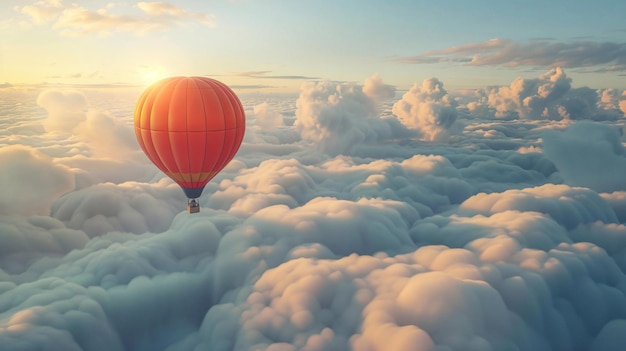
377 90
69 114
548 97
427 109
76 20
30 181
66 109
588 154
266 118
340 117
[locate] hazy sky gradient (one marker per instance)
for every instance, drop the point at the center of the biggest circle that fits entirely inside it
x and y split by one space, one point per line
280 44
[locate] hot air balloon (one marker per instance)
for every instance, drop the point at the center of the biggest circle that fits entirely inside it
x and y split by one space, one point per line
190 128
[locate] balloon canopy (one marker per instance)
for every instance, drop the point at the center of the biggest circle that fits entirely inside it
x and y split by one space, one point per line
190 128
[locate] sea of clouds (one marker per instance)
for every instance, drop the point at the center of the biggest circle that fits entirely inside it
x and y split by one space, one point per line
353 217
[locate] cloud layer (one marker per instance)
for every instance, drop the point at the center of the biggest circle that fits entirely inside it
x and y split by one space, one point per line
350 219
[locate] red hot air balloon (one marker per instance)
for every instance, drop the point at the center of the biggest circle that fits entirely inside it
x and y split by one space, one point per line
190 128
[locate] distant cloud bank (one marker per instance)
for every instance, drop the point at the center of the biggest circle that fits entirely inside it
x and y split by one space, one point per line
604 56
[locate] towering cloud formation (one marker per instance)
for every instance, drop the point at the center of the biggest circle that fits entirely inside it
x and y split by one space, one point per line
548 97
377 90
428 109
340 117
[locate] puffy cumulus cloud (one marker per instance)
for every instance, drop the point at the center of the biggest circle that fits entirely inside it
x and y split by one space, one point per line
588 154
567 206
127 207
376 89
30 181
267 118
74 20
430 184
97 146
367 224
340 117
66 109
609 98
91 170
69 113
617 201
494 294
548 97
530 98
100 297
24 240
428 109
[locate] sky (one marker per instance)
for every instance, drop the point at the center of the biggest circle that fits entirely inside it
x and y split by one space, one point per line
435 176
276 45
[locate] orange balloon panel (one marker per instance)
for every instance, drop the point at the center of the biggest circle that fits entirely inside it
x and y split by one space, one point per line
190 128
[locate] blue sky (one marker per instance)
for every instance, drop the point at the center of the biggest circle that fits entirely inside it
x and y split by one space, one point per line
279 44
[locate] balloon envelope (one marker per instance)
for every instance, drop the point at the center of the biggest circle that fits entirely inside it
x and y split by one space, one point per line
190 128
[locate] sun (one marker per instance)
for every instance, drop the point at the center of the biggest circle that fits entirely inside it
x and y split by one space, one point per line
151 73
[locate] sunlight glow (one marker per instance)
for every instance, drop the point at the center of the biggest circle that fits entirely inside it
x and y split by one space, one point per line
152 73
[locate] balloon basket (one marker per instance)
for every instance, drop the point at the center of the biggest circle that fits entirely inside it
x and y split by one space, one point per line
193 206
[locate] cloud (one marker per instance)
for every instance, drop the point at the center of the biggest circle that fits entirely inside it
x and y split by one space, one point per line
548 97
66 109
266 118
264 75
127 207
508 53
26 240
565 205
588 154
250 86
42 11
429 183
427 109
75 20
30 181
340 117
69 113
377 90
